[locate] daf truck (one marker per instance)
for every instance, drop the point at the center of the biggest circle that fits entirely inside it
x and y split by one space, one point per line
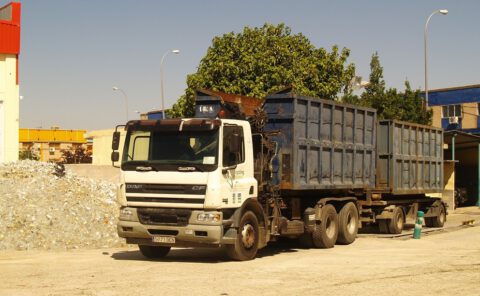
244 172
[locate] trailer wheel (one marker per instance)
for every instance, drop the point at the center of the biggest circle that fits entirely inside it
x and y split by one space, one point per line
347 224
246 242
395 225
325 235
382 226
437 221
153 252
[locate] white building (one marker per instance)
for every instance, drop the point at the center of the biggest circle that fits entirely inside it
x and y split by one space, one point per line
9 90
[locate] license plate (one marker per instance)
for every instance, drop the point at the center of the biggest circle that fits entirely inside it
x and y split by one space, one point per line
163 239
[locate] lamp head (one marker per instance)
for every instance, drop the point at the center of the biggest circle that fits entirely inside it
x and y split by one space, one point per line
176 51
115 88
443 11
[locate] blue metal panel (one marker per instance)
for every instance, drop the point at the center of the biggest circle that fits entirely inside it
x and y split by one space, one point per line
447 126
445 123
155 115
454 96
322 144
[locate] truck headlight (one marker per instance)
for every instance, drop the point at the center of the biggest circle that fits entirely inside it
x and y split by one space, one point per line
209 217
126 214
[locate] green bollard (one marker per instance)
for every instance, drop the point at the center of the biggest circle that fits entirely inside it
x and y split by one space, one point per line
417 232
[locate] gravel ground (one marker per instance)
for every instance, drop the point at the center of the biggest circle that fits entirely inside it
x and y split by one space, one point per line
41 210
442 264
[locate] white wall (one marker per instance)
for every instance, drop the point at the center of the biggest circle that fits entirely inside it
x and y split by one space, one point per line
102 145
9 96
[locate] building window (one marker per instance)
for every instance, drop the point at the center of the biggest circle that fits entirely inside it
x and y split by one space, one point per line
451 111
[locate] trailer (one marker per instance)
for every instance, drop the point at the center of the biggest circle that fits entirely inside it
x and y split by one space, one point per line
241 175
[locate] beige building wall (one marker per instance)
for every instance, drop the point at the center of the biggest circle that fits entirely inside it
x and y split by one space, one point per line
9 108
469 115
49 151
437 116
102 146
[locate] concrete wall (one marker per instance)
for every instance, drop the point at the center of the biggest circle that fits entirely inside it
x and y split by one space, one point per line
9 108
102 145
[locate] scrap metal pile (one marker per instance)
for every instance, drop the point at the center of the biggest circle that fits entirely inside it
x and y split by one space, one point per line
44 207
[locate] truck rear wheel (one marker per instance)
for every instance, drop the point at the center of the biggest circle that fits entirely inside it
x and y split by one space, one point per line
325 235
154 252
347 224
437 221
246 242
395 225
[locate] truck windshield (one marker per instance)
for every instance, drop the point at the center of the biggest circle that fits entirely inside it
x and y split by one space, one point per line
171 150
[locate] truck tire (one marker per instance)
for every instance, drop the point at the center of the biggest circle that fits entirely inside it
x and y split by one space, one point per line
154 252
325 235
246 241
395 225
347 224
305 240
382 226
437 221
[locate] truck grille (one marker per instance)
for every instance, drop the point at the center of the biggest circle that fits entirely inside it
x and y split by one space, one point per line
166 188
166 199
174 217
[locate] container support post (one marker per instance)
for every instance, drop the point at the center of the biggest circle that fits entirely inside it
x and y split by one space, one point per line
453 150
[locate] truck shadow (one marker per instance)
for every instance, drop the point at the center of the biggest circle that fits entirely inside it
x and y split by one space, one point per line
207 255
373 228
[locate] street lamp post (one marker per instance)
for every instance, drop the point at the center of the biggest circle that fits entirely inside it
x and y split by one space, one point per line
175 51
126 99
444 12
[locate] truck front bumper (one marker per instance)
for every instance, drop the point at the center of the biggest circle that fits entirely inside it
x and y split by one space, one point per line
193 234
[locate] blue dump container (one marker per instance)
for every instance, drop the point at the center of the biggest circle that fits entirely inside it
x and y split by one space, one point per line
410 158
322 144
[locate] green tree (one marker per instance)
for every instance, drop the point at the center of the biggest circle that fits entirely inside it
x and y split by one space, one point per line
390 103
259 61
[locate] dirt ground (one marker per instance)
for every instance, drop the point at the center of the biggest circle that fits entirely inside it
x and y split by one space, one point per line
444 263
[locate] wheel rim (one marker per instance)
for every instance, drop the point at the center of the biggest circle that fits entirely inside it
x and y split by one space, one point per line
441 217
330 227
351 223
248 236
399 219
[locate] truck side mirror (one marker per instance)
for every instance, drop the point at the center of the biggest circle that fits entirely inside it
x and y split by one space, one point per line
115 140
115 156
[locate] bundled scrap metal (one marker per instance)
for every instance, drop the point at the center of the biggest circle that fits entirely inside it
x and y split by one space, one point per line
44 207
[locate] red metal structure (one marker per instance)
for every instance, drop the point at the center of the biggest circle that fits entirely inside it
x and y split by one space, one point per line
10 30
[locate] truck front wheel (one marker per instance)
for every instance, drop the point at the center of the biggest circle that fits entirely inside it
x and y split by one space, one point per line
154 252
246 241
325 235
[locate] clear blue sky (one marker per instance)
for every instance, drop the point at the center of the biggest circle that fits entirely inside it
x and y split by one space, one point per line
73 52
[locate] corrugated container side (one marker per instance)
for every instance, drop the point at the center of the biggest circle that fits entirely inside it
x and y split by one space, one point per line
322 144
410 158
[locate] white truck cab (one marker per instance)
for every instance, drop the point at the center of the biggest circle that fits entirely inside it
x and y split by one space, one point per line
182 182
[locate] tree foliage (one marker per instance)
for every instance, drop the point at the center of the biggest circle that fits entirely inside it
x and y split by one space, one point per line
259 61
77 155
390 103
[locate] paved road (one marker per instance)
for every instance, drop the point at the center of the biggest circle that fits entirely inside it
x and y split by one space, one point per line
441 264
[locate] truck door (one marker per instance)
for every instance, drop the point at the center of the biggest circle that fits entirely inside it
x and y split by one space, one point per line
236 185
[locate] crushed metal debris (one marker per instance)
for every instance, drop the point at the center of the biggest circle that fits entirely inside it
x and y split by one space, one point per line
41 208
